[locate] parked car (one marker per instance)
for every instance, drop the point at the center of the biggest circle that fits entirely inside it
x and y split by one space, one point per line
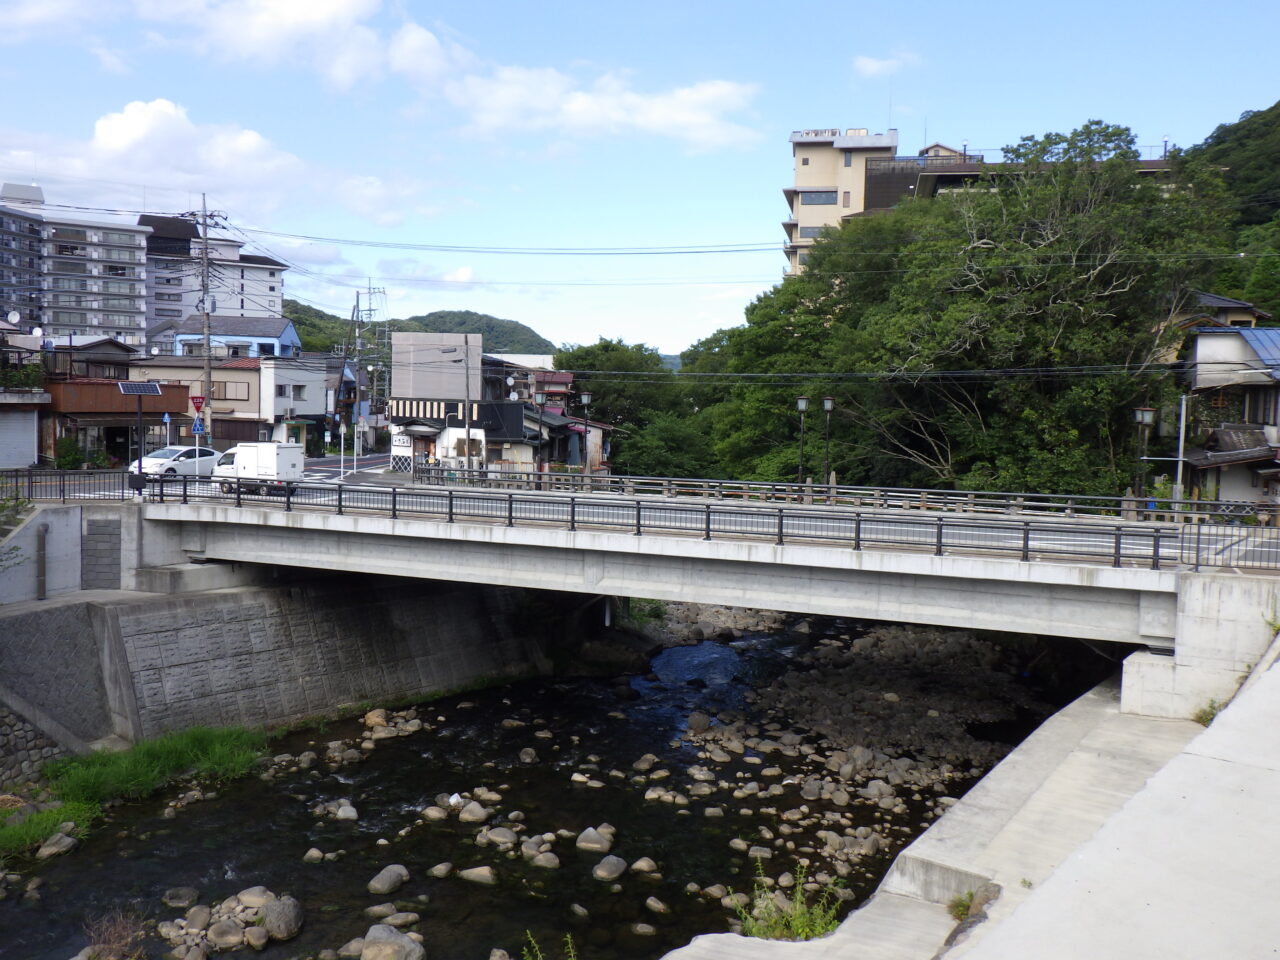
177 461
275 466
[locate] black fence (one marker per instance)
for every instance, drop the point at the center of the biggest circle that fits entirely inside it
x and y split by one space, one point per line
1089 540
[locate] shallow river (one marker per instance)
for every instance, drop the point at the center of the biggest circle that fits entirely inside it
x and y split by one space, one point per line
256 832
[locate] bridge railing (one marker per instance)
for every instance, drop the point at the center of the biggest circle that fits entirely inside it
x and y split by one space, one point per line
877 498
1120 544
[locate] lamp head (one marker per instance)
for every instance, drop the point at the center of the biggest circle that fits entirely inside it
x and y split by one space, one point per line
802 404
540 397
585 398
828 404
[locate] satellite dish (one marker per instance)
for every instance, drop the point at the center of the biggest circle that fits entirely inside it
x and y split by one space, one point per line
14 317
155 351
37 331
511 382
513 395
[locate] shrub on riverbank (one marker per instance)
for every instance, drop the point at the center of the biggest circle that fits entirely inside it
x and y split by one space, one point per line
222 753
773 916
35 829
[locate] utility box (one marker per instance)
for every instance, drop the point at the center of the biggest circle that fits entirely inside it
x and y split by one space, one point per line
262 467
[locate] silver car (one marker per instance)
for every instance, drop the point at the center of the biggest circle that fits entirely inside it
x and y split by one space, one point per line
180 461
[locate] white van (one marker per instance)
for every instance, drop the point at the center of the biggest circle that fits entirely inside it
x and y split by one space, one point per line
260 467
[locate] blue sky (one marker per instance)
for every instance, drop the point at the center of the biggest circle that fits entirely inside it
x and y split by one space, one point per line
570 125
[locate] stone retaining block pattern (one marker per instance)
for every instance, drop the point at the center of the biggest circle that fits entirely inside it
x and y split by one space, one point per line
100 555
276 655
23 749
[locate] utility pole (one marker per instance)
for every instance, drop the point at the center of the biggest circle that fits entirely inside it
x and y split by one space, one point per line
466 354
207 411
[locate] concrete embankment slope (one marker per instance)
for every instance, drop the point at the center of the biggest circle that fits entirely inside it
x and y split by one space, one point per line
1188 869
1014 828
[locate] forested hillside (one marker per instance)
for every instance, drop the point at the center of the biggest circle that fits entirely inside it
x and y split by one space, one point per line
323 331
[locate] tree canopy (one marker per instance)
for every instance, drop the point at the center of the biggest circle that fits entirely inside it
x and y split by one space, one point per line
321 331
1248 150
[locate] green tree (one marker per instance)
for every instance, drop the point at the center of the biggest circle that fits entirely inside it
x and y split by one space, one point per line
1064 260
1246 151
629 382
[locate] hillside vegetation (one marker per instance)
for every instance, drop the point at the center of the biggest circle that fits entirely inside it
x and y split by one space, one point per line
321 331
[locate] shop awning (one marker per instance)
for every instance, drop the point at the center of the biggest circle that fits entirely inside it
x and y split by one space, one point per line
85 420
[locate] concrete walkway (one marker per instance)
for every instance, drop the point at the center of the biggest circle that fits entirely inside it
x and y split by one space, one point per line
1014 828
1189 868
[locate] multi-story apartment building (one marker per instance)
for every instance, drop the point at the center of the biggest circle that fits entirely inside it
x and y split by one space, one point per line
240 284
20 244
93 273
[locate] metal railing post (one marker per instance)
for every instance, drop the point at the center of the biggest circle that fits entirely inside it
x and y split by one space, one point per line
639 507
31 485
1026 540
937 547
706 526
857 531
449 505
1155 550
781 515
288 497
62 486
185 493
511 509
1115 562
394 510
573 513
1199 528
240 490
339 498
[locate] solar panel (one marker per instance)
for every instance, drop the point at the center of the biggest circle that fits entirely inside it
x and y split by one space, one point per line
138 388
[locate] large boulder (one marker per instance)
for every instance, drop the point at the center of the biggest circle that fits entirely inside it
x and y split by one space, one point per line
593 841
282 918
387 943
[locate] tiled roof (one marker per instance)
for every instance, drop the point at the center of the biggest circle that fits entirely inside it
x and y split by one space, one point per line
221 326
242 363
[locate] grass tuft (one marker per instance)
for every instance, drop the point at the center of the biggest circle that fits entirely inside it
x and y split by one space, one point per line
960 906
1206 714
778 917
83 784
211 753
532 951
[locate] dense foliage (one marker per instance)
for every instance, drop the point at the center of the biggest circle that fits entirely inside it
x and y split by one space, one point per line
991 338
320 331
1247 151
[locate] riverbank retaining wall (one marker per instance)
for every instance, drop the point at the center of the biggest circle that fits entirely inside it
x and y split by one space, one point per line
80 668
23 748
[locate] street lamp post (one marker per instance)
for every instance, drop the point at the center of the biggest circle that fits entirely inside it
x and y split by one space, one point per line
828 404
1144 417
802 404
540 398
585 399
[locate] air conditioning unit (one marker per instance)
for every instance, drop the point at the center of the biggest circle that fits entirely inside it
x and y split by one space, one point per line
289 413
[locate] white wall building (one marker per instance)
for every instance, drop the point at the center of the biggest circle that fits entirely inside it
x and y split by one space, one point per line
240 284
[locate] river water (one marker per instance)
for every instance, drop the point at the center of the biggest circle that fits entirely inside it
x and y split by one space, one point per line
256 832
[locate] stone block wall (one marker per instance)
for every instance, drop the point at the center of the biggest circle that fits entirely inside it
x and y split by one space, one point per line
23 749
100 555
276 655
50 657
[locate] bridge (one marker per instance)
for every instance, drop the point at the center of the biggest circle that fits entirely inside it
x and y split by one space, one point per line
1198 597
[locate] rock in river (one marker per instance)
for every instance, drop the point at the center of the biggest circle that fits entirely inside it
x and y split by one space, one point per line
388 880
282 918
593 841
610 868
387 943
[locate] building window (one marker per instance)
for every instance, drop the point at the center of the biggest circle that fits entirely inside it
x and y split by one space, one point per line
271 288
242 303
115 286
848 158
810 233
109 236
267 349
170 281
282 391
804 161
166 312
818 198
271 273
114 271
299 391
231 390
846 199
169 296
242 277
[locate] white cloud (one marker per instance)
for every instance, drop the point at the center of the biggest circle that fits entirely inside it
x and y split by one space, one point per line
23 16
328 35
155 148
110 60
461 275
872 67
526 98
418 55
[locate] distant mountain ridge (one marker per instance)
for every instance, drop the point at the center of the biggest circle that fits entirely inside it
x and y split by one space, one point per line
321 331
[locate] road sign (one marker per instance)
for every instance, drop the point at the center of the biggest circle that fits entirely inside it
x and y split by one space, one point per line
197 427
165 418
198 403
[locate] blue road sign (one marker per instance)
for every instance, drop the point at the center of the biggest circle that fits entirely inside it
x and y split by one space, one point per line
197 426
